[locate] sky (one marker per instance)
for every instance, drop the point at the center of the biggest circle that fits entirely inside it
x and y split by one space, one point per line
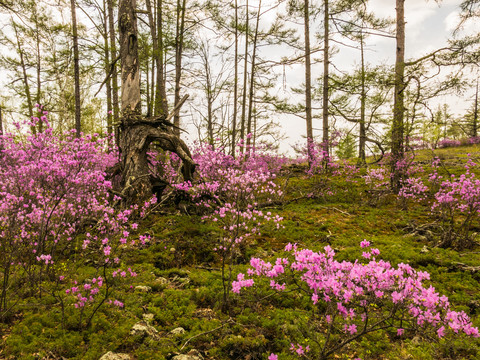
428 27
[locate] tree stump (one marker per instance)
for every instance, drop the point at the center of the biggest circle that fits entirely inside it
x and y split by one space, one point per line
136 132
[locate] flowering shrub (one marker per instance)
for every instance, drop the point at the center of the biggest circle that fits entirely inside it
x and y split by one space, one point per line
455 201
228 190
377 179
458 205
474 140
52 190
352 299
413 188
449 143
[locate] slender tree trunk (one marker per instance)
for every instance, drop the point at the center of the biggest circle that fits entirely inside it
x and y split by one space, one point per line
398 107
326 34
1 154
108 83
245 83
26 83
209 94
255 116
308 83
113 57
149 100
38 67
76 66
363 98
161 105
178 59
252 78
235 84
152 86
1 125
475 114
153 32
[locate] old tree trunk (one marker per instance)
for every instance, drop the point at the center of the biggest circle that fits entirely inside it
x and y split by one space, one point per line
137 132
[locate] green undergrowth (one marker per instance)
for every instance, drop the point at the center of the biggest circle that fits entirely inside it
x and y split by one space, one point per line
183 272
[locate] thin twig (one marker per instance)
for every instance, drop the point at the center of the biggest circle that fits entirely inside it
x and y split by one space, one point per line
204 333
177 108
336 209
112 67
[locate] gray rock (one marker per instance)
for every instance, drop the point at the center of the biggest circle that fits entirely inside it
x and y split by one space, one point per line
144 329
178 331
148 317
192 355
142 288
113 356
161 281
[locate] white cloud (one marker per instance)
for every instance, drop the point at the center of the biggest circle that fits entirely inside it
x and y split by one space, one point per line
452 20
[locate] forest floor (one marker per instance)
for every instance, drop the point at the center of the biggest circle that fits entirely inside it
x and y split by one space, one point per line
183 288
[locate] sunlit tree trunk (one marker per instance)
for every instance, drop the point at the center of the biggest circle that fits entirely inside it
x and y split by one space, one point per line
76 66
113 57
26 83
398 106
475 114
181 9
252 78
161 104
245 81
38 64
326 34
108 83
363 99
308 83
1 126
235 84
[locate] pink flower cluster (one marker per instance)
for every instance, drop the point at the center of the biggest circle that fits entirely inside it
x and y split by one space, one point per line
55 200
414 188
86 293
360 298
456 200
378 178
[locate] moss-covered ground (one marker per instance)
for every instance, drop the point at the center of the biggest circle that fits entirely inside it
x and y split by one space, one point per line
183 271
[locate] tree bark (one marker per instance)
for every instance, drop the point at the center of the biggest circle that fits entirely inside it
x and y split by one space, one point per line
252 79
161 104
210 97
38 65
363 98
308 83
136 132
113 56
398 107
76 66
26 83
1 123
326 34
178 59
245 82
235 85
475 114
108 83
